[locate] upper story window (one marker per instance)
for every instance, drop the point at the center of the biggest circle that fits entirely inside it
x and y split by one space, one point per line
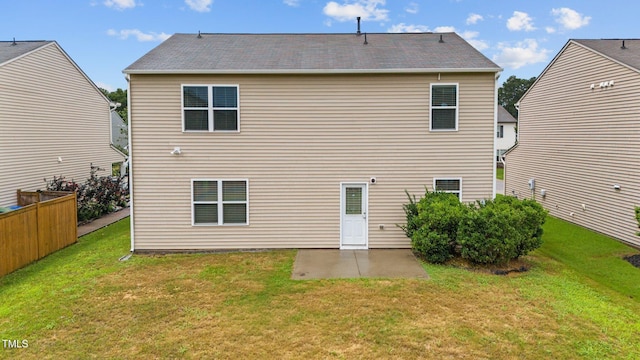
444 107
210 108
500 133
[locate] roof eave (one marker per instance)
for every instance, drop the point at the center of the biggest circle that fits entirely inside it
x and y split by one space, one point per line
312 71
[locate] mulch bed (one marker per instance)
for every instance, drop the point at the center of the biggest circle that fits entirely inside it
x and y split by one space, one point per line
633 260
512 268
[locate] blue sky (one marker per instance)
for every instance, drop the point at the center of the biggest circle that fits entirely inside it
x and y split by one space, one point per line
105 36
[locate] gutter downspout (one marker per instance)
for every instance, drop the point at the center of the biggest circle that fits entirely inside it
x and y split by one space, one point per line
131 202
495 128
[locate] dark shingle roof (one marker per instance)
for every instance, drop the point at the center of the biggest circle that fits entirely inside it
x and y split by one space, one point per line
504 116
613 49
9 51
282 53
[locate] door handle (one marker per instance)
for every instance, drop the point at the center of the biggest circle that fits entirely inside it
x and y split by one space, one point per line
364 214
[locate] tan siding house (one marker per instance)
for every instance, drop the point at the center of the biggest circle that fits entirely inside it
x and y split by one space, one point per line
312 157
579 136
54 120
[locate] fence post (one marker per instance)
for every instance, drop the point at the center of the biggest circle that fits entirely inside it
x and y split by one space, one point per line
75 213
38 232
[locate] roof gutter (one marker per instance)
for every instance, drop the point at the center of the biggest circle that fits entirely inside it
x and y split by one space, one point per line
313 71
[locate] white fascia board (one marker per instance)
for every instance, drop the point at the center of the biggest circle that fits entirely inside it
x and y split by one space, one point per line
315 71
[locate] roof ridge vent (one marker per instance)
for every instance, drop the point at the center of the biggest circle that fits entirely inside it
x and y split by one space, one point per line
623 47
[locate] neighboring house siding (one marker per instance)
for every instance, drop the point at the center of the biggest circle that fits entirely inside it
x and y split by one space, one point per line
577 143
509 137
48 109
300 137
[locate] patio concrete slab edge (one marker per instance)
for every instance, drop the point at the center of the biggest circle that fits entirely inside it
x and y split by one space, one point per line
341 264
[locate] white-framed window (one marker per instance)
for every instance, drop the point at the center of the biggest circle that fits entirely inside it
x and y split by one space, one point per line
220 202
500 132
443 107
210 108
449 185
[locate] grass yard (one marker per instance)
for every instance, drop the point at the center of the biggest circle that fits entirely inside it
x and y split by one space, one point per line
500 173
577 302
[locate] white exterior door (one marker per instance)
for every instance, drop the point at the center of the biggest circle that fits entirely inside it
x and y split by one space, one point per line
353 218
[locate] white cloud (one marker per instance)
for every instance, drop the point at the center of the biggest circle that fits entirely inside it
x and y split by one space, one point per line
403 28
139 35
367 9
550 30
292 2
412 8
442 29
520 21
570 19
199 5
121 4
474 18
105 86
523 53
471 38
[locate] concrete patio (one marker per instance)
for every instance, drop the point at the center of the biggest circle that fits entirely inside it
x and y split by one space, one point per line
376 263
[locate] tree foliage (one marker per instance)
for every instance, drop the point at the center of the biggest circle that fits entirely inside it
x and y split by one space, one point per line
511 91
118 96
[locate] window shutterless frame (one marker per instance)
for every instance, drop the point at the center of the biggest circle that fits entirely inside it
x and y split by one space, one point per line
449 185
211 107
443 105
216 201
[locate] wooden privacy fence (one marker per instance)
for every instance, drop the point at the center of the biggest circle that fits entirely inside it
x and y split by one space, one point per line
37 230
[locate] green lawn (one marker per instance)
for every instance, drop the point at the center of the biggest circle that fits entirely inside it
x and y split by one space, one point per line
578 301
500 173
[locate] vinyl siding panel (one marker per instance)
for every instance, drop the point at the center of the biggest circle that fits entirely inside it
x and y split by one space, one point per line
577 143
300 137
48 109
509 137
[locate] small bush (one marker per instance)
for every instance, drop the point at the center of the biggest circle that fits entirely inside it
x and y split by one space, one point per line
434 223
411 212
486 236
97 196
637 210
491 232
501 230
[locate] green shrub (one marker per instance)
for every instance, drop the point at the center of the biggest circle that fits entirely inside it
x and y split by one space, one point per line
436 224
637 209
486 236
411 212
491 232
432 246
529 223
501 230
